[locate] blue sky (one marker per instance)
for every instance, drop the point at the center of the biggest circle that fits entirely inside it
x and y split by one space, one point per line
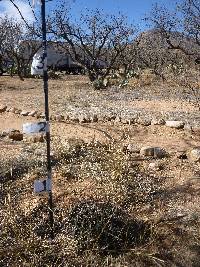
135 10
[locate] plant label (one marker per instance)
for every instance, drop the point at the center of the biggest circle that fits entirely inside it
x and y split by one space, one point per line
42 186
32 128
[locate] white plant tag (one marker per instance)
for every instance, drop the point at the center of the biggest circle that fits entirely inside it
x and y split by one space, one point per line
32 128
39 64
42 186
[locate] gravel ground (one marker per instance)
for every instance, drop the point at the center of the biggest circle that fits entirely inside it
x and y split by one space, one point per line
74 95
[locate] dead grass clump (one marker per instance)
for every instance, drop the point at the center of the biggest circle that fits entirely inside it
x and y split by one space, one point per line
145 78
117 176
104 202
105 228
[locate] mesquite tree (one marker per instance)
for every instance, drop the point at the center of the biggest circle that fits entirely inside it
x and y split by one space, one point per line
18 44
96 41
180 29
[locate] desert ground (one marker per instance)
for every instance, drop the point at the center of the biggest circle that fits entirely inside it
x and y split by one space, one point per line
124 126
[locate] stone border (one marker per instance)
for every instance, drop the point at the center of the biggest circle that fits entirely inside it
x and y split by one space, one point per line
145 151
94 118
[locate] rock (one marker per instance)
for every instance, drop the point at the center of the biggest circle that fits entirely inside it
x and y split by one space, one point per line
155 166
3 108
24 113
38 138
9 131
155 152
18 111
175 124
38 114
144 121
32 113
84 118
74 118
111 117
52 117
157 121
132 148
127 120
194 155
188 128
8 109
3 134
16 136
12 110
59 118
42 116
94 118
196 129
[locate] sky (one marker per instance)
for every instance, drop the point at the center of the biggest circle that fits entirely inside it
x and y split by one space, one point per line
135 10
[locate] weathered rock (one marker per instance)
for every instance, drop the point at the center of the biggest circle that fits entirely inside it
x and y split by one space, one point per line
8 131
32 113
74 118
111 117
132 148
59 118
94 118
157 121
16 136
42 116
156 166
155 152
3 108
194 155
18 111
127 120
175 124
12 110
38 114
188 128
8 109
38 138
24 113
196 129
84 118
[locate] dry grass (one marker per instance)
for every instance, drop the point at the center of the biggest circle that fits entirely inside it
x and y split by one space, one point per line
97 191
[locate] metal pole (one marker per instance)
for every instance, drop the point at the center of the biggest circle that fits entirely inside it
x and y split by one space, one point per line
45 82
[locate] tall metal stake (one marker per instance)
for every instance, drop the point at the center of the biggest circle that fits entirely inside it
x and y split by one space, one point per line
45 82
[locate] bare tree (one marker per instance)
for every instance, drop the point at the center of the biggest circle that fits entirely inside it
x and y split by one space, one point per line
180 29
96 41
18 44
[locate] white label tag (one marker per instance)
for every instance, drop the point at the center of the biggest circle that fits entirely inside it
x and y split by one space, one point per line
39 127
42 186
39 64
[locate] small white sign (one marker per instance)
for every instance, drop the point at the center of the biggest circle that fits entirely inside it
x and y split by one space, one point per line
32 128
39 64
42 186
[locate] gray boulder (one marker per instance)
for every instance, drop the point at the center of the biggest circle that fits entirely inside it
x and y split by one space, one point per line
194 154
156 152
175 124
